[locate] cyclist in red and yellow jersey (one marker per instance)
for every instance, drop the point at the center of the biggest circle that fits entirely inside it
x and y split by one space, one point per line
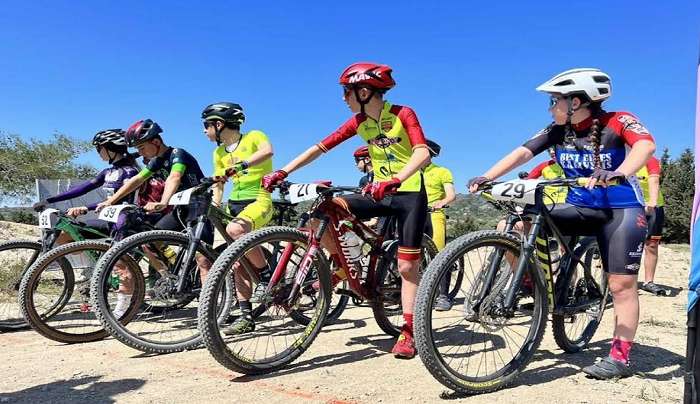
397 151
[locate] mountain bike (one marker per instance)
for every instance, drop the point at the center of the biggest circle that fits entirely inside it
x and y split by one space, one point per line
294 307
16 256
499 319
165 321
54 293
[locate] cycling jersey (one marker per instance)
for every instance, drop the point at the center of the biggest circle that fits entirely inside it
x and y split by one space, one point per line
651 168
174 160
110 179
618 131
436 177
246 184
391 142
550 170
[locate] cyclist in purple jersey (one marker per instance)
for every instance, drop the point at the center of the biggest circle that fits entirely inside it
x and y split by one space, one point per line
111 146
606 147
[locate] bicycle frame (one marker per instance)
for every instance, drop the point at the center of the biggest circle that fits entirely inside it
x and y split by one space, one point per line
330 215
542 228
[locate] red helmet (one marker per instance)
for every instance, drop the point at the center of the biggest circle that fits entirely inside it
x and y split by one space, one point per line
365 74
141 131
361 152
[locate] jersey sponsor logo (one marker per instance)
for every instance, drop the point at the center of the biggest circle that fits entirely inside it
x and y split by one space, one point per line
632 267
632 124
387 124
112 176
638 252
575 161
383 141
641 221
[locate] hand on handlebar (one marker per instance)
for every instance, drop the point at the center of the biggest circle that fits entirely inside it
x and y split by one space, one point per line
270 181
77 211
378 190
603 178
475 182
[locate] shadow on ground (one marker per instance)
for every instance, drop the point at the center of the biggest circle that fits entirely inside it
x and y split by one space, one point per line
647 360
81 389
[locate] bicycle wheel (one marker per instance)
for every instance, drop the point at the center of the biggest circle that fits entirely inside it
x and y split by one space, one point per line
478 347
54 293
16 256
386 307
165 320
277 338
586 297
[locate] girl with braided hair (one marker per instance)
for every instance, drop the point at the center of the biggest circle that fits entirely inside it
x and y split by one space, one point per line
604 146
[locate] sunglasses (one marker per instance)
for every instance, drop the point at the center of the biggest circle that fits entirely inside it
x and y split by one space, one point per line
207 124
554 100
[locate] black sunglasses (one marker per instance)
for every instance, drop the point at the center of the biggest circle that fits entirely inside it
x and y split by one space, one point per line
207 124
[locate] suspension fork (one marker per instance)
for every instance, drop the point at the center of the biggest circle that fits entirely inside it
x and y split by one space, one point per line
526 248
307 260
494 265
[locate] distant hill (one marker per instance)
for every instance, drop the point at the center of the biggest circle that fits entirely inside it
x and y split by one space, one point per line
469 213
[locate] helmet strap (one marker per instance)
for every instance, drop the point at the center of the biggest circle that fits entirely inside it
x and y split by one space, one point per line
569 135
218 131
365 101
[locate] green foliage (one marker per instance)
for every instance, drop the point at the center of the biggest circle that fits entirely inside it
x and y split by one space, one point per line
19 215
24 160
677 185
470 213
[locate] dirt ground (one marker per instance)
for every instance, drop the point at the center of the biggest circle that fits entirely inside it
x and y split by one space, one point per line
349 363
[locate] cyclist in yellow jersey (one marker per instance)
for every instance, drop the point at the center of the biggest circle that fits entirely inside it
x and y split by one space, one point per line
649 180
245 158
440 188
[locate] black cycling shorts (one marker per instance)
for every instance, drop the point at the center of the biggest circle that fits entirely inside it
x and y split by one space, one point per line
656 223
620 233
410 209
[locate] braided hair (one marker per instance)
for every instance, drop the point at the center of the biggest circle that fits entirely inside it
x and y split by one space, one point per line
596 112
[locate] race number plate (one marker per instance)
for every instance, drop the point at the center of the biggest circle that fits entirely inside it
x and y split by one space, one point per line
302 192
48 218
111 213
182 197
518 191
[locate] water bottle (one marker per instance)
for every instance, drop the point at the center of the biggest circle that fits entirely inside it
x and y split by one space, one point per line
351 244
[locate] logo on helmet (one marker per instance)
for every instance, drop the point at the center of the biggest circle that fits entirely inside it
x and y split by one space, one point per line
363 76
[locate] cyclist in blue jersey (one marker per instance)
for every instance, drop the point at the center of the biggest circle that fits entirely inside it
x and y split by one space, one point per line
111 146
606 147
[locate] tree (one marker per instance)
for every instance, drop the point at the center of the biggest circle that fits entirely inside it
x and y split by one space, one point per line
22 161
678 188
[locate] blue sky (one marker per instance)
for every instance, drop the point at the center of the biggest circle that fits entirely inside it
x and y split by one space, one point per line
469 69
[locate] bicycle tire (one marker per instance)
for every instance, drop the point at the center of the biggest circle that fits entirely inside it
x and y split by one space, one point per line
119 330
209 326
11 317
424 334
586 249
46 323
388 277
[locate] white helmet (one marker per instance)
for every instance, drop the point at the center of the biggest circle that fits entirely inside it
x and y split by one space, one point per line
593 82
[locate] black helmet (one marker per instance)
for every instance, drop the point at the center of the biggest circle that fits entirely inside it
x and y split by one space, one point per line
225 111
111 139
142 131
433 147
